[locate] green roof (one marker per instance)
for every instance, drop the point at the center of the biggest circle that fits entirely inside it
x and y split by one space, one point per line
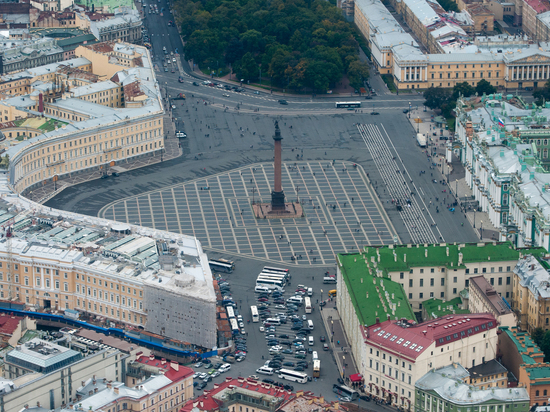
373 297
538 372
527 359
437 254
436 308
77 40
522 346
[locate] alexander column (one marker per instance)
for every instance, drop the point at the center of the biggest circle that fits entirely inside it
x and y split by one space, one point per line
277 195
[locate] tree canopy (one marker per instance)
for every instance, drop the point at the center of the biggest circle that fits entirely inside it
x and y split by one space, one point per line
297 43
543 94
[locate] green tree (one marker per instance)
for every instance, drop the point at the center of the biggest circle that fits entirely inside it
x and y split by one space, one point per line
436 97
358 72
463 89
252 41
247 68
537 335
543 94
483 86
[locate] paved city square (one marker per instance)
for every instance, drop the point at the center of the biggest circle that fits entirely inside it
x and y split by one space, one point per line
341 212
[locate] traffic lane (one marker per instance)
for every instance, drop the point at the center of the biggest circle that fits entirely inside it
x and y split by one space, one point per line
415 160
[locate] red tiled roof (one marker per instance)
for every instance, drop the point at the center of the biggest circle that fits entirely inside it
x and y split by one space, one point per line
8 324
409 340
208 403
173 370
538 5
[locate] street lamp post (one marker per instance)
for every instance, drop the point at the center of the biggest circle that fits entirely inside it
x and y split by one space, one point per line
474 217
409 110
481 231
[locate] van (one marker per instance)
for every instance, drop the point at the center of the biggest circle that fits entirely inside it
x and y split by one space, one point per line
310 291
315 355
273 321
295 299
261 289
329 279
265 370
310 324
311 341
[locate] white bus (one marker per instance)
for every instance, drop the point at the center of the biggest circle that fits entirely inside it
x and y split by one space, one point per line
234 326
222 265
230 312
255 316
343 390
270 283
272 277
284 272
316 368
307 304
295 376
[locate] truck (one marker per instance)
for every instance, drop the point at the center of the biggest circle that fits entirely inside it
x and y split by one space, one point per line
421 139
180 96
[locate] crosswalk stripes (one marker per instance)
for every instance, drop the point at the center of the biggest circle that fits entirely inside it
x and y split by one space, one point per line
397 184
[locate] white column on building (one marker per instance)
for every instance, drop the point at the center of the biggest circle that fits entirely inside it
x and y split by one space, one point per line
415 72
538 71
522 72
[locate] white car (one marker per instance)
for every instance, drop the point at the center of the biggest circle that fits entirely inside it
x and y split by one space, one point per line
224 368
203 375
196 375
255 377
262 329
198 365
241 324
276 347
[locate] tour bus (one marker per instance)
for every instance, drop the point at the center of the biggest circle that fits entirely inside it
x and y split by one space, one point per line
343 105
277 271
295 376
285 272
272 276
234 326
329 279
222 265
270 283
343 390
316 368
255 316
230 312
307 304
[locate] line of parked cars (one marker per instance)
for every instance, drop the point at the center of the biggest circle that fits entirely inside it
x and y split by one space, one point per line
200 380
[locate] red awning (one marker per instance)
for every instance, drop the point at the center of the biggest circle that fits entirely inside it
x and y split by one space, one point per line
356 377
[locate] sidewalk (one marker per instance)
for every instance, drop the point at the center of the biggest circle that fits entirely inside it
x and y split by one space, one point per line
171 150
337 340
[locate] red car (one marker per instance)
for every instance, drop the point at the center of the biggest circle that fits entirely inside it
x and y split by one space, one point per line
262 300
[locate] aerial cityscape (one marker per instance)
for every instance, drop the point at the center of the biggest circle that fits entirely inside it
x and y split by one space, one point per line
286 206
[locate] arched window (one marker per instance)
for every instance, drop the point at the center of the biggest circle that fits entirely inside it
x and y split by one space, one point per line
537 393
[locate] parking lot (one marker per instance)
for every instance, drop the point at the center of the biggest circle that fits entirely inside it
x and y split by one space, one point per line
241 288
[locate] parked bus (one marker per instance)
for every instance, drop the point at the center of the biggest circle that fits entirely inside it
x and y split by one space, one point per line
295 376
274 277
222 265
329 279
332 293
316 368
343 390
278 275
307 304
255 316
285 272
270 283
230 312
234 326
340 105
